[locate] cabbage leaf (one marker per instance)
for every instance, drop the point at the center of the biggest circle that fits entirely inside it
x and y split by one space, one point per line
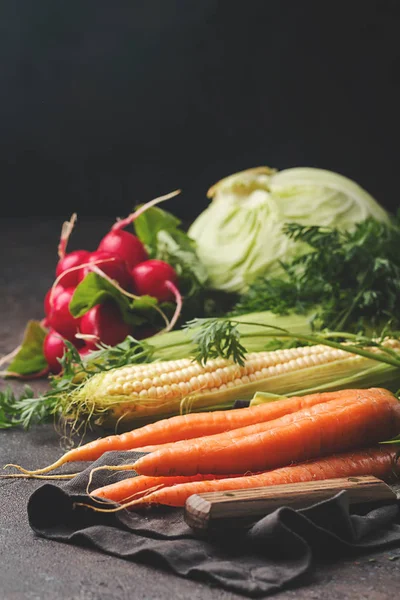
240 235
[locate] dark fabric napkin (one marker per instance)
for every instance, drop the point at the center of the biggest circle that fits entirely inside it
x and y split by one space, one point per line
255 561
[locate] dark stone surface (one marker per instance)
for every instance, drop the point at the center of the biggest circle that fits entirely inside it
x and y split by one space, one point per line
34 569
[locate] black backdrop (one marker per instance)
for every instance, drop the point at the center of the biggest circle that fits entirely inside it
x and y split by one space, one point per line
107 103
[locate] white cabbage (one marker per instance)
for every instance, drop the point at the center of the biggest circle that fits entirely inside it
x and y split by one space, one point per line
239 236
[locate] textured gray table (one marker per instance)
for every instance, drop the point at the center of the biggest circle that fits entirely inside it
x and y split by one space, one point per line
35 569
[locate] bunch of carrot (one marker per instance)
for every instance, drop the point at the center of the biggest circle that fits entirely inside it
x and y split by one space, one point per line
285 441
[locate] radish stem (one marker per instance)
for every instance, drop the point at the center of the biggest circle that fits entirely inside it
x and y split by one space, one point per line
178 299
66 231
130 218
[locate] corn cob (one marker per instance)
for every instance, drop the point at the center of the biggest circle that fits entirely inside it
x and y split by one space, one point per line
140 393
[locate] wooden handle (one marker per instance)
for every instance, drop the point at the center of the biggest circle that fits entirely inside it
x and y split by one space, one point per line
203 510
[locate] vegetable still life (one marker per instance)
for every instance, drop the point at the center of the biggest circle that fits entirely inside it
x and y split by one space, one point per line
258 347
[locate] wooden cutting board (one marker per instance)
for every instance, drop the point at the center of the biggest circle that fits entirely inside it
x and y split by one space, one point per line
203 511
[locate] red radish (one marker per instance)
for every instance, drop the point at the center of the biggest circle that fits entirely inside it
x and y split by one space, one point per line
53 348
104 322
60 317
124 244
50 298
111 264
69 261
150 278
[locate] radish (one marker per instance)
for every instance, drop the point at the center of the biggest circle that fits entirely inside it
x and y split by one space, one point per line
60 317
111 264
103 322
69 261
45 323
53 348
158 279
150 277
124 244
50 298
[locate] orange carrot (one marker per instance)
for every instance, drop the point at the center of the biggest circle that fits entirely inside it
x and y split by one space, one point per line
230 435
322 429
125 489
254 428
191 426
379 462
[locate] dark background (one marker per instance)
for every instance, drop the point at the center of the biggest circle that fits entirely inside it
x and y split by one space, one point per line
105 104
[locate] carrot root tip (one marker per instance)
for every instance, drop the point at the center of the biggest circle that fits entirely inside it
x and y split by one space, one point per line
136 502
33 476
108 468
52 467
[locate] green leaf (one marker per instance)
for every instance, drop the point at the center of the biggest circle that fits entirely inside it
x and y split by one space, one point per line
95 289
216 338
351 279
178 251
30 358
25 410
91 291
164 239
7 401
150 223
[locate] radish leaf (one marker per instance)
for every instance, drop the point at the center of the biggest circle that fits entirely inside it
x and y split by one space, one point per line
30 358
94 289
165 240
150 223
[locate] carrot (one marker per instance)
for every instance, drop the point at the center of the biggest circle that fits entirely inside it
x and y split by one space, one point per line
322 429
191 426
250 429
379 462
125 489
233 434
255 428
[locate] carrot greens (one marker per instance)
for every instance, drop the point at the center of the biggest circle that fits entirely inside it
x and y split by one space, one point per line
24 410
216 338
350 279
